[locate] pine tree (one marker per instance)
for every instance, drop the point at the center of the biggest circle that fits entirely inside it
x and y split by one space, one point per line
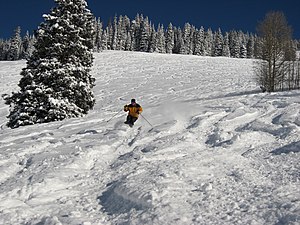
27 46
243 44
199 42
258 47
15 49
110 34
144 35
115 34
160 39
250 47
2 49
136 32
186 37
153 40
178 42
209 42
128 43
126 23
192 41
98 35
122 33
56 83
234 44
218 47
170 39
202 41
126 29
5 50
104 40
226 50
243 51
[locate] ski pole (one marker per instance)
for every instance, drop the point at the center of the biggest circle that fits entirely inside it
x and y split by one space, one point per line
146 120
114 116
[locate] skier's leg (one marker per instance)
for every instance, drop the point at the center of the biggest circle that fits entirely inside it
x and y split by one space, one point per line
133 120
127 120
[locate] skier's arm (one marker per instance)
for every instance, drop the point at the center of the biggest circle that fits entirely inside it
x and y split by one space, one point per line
140 110
126 108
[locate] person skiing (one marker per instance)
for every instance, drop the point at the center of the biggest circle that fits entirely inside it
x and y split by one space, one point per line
133 110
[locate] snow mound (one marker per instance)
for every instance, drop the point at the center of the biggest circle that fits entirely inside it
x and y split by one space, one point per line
120 199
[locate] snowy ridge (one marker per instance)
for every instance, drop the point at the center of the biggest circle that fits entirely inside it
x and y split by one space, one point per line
219 151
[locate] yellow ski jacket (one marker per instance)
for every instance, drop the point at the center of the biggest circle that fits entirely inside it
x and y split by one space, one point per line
133 110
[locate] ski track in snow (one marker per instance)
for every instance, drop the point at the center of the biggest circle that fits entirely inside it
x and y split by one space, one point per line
219 151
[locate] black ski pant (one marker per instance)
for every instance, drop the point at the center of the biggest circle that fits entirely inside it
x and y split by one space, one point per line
131 119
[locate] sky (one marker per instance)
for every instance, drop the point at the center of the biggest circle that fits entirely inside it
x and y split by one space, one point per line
227 14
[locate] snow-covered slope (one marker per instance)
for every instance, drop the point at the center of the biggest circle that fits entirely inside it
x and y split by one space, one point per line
218 150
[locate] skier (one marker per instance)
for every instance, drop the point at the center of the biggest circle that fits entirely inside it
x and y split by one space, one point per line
133 110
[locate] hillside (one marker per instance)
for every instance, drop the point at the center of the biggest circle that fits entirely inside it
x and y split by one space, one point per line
217 151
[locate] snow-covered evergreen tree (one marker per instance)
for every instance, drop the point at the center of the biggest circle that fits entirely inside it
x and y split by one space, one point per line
110 34
160 39
144 35
128 43
218 47
243 44
250 47
258 47
208 41
169 39
153 40
192 40
115 34
104 40
122 33
186 48
243 51
234 43
199 42
178 42
15 49
136 32
56 84
226 49
6 49
98 35
27 46
2 49
127 33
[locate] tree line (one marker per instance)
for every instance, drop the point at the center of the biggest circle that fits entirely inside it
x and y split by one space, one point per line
17 47
140 34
